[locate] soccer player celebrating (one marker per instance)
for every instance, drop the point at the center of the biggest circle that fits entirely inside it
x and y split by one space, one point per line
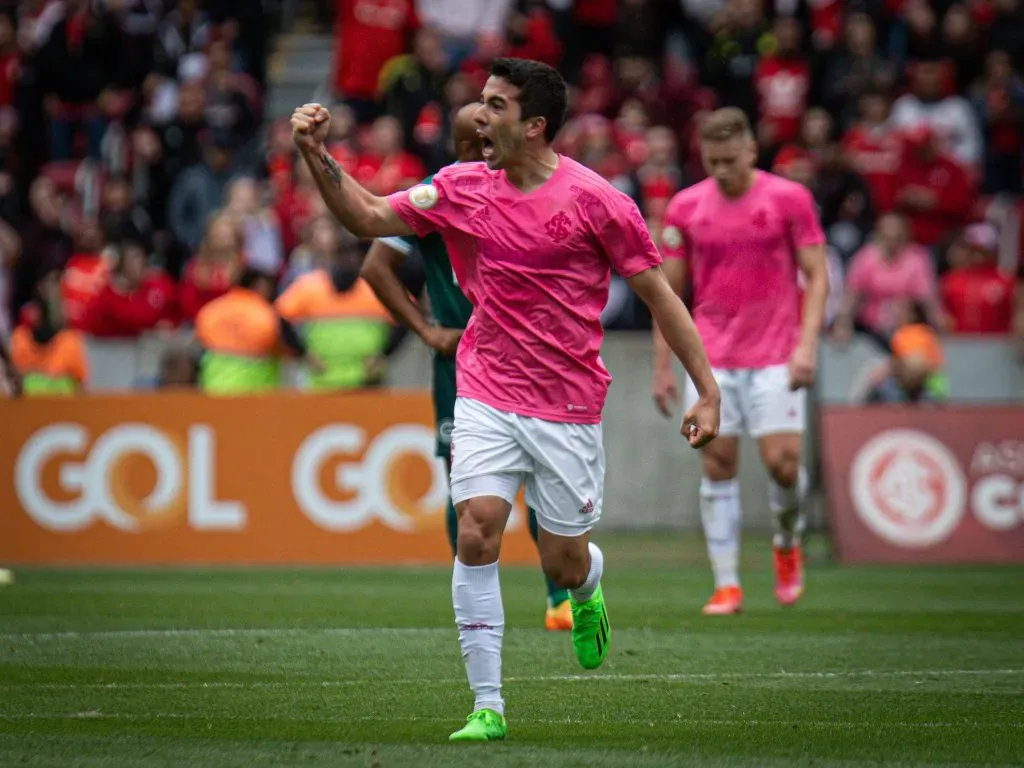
744 236
451 311
533 237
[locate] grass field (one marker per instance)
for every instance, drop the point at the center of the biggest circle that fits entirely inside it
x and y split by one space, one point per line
920 666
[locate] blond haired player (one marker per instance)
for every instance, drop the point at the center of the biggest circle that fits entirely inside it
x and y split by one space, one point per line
743 237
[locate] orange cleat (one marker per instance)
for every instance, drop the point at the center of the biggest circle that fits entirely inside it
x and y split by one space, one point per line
789 575
726 600
559 618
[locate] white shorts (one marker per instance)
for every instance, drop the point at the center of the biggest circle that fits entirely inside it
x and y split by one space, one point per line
494 452
757 401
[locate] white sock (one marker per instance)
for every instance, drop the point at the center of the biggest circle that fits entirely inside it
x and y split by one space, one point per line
721 514
786 507
480 617
586 590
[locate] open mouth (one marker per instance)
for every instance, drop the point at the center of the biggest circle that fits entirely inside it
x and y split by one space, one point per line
487 147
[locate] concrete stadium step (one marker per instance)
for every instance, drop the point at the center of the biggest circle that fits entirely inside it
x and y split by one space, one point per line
299 72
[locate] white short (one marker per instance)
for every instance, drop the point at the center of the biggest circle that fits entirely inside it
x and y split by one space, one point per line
494 452
757 401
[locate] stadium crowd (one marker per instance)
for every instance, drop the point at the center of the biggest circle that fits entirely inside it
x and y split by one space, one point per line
139 181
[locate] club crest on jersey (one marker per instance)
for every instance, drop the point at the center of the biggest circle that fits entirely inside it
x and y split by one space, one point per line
559 226
672 237
423 196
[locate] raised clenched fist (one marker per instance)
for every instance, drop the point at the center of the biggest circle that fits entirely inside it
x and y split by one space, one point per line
310 125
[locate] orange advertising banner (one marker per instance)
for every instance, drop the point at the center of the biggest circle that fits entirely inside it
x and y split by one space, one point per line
182 478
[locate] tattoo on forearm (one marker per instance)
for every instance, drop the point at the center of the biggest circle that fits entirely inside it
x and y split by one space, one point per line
331 168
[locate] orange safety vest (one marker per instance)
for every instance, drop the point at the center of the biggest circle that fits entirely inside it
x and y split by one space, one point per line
241 335
345 330
58 367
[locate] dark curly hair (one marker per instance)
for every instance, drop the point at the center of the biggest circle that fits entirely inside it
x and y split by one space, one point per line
542 91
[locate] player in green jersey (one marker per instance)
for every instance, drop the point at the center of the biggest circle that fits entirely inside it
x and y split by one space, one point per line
451 311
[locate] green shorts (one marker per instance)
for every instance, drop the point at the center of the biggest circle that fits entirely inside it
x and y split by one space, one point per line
444 403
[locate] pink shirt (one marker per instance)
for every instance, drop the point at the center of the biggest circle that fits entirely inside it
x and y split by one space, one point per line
883 286
536 268
741 256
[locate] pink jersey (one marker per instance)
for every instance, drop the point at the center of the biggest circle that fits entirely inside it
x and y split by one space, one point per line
741 257
536 268
884 285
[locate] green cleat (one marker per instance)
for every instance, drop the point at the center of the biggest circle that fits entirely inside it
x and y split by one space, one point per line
482 725
591 632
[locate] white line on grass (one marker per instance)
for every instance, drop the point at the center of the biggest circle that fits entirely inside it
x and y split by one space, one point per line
221 632
678 720
657 678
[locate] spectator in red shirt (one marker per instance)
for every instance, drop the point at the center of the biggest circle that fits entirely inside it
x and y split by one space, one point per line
660 177
630 130
386 167
598 93
826 22
342 141
932 188
979 298
640 78
596 149
782 79
368 33
531 35
135 297
84 275
280 160
212 271
301 203
873 149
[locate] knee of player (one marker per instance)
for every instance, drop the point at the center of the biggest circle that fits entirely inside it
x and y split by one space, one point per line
566 574
475 547
478 543
717 468
784 468
567 578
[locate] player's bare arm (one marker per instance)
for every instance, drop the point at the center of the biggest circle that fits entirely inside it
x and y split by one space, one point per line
380 270
361 212
700 423
664 387
804 362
